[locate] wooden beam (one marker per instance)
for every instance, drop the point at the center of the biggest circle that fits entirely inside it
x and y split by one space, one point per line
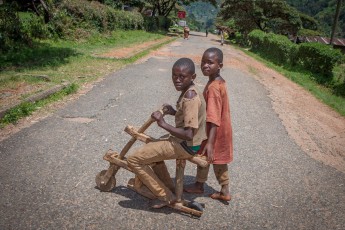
199 161
138 136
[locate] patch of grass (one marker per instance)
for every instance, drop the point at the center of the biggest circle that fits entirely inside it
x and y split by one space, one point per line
27 108
22 110
62 60
309 81
40 55
65 61
252 70
101 43
145 52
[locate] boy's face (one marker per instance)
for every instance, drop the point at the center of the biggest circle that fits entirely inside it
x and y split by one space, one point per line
210 64
182 78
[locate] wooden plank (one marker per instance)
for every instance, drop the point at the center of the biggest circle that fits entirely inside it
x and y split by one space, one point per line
139 136
201 161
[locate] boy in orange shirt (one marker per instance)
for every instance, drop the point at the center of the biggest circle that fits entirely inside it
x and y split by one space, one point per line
219 147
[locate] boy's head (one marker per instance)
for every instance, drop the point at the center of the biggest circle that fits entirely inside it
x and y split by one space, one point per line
212 62
183 73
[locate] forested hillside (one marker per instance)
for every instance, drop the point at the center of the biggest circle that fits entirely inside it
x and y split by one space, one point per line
323 11
203 12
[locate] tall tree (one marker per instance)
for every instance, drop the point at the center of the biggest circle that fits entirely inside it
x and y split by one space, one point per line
335 22
40 7
323 11
164 7
267 15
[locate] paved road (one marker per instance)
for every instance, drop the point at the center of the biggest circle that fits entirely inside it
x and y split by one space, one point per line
47 171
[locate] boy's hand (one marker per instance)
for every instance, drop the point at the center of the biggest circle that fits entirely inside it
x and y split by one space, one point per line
158 116
208 150
168 109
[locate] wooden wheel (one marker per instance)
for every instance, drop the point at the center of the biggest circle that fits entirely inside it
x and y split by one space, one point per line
101 182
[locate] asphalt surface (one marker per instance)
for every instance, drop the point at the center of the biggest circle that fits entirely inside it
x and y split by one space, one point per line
47 171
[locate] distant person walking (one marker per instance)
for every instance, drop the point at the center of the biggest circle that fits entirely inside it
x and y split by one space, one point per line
221 37
186 32
206 32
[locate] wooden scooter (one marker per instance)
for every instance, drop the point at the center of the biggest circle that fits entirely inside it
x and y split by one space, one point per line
105 180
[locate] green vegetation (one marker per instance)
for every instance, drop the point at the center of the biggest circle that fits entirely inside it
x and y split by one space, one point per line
315 57
308 81
318 68
72 20
292 17
27 108
63 60
323 11
269 16
201 16
277 48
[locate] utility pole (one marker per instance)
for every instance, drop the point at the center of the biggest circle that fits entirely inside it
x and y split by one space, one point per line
335 22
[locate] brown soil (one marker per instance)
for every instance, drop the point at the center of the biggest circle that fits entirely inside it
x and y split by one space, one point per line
315 127
127 52
11 96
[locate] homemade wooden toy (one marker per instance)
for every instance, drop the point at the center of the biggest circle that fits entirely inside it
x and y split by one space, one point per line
106 181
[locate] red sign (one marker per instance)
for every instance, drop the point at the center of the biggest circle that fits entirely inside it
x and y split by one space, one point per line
181 14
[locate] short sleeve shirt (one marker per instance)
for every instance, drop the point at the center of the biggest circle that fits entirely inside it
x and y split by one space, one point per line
192 113
218 113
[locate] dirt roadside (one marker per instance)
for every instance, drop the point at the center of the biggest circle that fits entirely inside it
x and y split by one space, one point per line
315 127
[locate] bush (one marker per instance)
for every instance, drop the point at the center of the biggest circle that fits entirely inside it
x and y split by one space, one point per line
157 23
92 16
306 32
34 26
256 39
11 29
278 48
315 57
282 50
339 80
319 58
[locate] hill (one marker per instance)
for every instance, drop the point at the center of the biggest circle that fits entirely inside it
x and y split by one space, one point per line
202 12
323 11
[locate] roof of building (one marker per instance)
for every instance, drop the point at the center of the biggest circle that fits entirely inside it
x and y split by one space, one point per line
324 40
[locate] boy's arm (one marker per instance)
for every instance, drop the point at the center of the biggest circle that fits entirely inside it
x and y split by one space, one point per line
209 148
184 134
168 109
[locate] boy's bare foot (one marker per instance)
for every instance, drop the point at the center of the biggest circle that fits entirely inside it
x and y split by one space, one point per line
197 188
158 203
220 196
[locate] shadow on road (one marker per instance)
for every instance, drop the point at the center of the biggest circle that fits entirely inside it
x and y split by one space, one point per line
198 35
138 202
218 40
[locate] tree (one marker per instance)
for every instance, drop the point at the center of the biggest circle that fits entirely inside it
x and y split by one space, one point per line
40 7
164 7
267 15
336 18
324 12
309 22
119 4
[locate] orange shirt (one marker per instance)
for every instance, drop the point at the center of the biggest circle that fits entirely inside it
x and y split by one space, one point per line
218 113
